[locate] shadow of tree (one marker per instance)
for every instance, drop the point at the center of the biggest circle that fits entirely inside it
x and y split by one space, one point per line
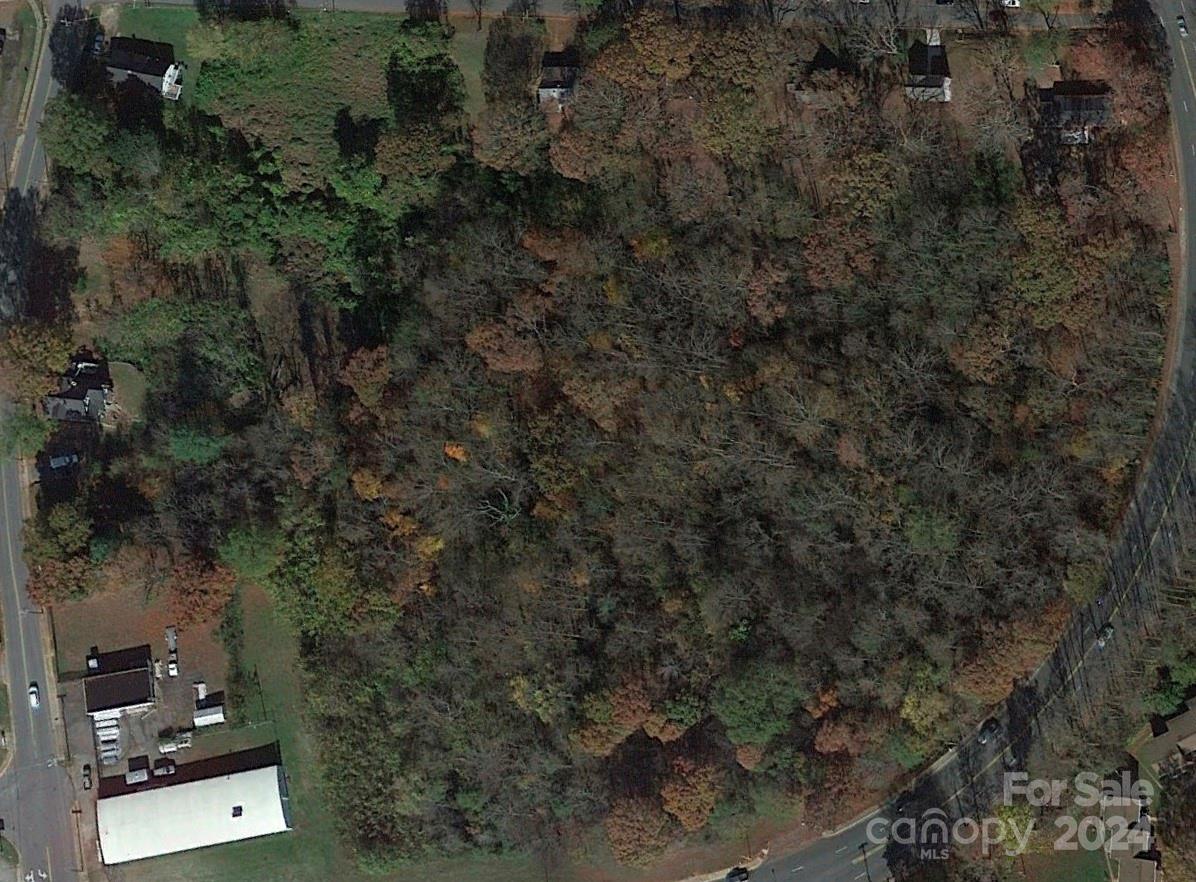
72 33
16 251
356 137
246 10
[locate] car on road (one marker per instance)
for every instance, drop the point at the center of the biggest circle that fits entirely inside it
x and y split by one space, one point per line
1105 635
1182 24
1012 4
738 874
989 731
87 776
35 696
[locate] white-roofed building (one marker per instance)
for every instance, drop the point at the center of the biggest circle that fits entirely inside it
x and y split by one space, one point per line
222 799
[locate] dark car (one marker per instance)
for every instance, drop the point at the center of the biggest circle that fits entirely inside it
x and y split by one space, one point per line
87 776
989 731
738 874
3 39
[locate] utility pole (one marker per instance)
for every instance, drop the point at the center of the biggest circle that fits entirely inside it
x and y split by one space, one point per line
864 852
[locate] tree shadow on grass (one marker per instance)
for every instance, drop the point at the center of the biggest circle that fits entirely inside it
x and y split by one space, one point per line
16 251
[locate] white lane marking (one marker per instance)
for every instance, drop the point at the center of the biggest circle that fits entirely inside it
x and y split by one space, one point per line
841 850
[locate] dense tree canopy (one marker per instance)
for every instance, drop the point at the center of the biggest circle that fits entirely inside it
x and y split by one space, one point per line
704 446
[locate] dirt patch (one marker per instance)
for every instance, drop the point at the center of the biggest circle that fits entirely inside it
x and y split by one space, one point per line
126 617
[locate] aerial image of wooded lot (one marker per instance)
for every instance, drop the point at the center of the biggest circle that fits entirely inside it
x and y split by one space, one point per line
596 441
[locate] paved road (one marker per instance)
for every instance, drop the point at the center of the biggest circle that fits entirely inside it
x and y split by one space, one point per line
35 793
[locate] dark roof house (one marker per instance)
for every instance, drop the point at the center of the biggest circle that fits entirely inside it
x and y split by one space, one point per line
558 73
145 60
929 71
83 391
1173 747
1075 107
119 682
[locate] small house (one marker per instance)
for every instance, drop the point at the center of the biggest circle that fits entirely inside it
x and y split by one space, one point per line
558 73
1133 849
84 391
1173 745
1075 108
929 73
145 60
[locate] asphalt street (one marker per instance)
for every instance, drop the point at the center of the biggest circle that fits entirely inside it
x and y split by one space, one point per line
35 792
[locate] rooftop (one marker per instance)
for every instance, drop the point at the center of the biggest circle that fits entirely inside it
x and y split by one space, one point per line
140 56
1178 737
104 692
223 799
128 659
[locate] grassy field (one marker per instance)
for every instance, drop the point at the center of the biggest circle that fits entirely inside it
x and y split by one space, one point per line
5 719
17 57
1068 866
469 51
8 853
129 384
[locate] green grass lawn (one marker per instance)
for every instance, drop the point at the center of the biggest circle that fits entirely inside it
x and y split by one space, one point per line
129 385
469 51
1069 866
5 721
18 55
8 853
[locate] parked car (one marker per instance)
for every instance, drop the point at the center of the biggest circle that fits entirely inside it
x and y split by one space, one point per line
87 776
738 874
3 39
35 696
1182 23
1012 4
989 731
97 46
1105 635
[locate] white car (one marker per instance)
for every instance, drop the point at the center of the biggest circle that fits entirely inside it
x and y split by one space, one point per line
35 696
1182 24
1012 4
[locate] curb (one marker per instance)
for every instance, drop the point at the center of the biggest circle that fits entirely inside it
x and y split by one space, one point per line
43 38
721 875
35 64
858 819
